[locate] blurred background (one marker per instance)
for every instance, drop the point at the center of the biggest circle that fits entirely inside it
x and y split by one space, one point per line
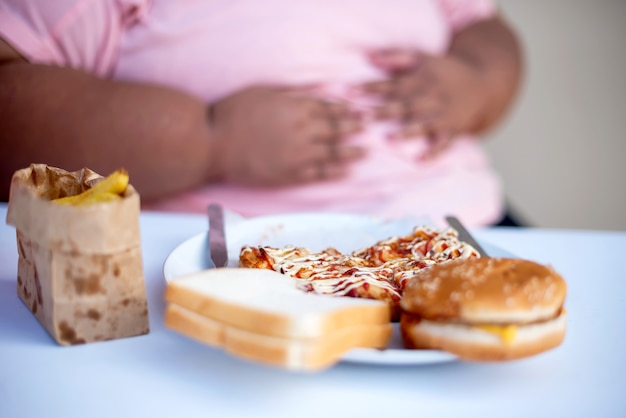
561 151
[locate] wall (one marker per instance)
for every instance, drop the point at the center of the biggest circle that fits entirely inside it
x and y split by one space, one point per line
561 150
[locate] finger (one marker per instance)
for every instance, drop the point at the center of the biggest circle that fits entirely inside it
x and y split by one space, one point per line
342 119
331 171
426 106
425 124
438 143
395 60
333 127
417 126
332 152
411 129
332 108
347 126
410 109
387 89
332 130
321 172
378 88
414 84
335 152
393 110
420 108
340 110
345 153
399 87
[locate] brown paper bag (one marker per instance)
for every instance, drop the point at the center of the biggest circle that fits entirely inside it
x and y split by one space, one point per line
80 269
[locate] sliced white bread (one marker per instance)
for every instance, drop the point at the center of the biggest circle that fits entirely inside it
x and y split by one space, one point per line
268 303
290 353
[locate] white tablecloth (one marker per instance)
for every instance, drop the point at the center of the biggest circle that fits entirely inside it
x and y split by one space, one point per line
165 374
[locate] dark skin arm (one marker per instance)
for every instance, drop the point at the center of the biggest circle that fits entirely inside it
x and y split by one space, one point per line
69 119
492 48
467 90
260 136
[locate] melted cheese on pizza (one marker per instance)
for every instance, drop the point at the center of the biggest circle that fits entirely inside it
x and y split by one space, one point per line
424 243
379 271
324 272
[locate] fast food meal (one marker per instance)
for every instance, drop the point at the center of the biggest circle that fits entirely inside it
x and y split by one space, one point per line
287 308
259 315
485 309
379 272
80 267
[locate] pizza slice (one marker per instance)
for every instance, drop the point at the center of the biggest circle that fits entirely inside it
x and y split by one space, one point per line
380 271
424 247
326 272
425 244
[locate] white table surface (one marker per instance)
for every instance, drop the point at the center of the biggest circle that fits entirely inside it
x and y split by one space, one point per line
165 374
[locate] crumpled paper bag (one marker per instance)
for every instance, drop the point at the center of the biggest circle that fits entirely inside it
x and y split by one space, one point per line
80 269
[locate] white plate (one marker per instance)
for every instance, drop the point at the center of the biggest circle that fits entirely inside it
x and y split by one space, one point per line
316 232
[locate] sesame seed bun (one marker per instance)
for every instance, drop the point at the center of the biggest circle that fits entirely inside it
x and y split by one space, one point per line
485 308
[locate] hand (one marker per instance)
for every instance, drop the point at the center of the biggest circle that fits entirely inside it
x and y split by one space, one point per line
437 97
275 137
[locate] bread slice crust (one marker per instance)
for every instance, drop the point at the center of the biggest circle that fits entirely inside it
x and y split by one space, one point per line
293 354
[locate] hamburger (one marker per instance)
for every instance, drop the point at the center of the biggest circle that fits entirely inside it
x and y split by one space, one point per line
484 309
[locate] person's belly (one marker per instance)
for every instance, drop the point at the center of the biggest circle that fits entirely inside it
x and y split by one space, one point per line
213 49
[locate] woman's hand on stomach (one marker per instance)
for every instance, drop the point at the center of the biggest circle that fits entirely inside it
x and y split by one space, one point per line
270 136
436 97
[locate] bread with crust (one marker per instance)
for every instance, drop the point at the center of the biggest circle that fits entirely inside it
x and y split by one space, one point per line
269 303
297 354
261 315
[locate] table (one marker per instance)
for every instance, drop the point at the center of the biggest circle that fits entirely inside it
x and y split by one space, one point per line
165 374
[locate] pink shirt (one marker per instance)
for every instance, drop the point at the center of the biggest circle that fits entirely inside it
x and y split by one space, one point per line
213 48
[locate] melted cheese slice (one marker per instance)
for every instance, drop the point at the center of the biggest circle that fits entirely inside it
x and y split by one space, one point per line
506 332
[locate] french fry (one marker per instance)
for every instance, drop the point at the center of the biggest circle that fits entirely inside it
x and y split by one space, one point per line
110 189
